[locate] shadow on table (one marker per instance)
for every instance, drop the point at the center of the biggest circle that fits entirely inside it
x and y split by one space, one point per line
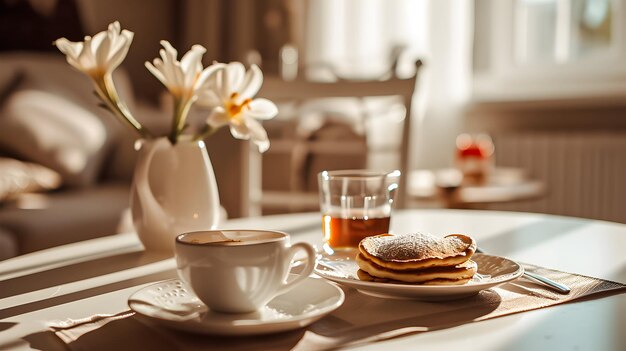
360 317
83 294
6 325
133 334
78 272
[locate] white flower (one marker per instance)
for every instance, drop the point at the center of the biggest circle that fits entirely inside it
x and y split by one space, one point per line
182 78
229 93
99 55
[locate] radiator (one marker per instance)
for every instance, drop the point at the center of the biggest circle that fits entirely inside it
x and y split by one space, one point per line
584 172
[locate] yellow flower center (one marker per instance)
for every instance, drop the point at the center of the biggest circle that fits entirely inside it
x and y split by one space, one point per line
234 110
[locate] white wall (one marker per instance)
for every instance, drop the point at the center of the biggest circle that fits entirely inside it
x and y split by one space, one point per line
446 83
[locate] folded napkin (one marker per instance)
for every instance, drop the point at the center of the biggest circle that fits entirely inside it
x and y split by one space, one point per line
352 324
71 329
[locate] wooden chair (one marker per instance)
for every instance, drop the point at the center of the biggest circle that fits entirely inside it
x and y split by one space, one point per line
299 91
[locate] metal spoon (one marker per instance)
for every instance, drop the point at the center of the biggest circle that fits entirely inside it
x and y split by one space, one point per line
558 287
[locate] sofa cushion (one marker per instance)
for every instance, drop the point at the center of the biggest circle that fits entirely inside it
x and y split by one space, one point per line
18 177
45 128
51 73
8 244
65 217
9 81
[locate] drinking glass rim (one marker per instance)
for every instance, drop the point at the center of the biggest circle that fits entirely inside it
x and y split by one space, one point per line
357 174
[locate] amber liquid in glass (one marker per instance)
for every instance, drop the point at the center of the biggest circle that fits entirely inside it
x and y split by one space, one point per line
348 232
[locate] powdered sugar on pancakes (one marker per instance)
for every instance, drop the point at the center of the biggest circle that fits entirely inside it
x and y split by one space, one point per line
416 246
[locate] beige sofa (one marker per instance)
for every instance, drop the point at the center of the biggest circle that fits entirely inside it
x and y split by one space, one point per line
65 163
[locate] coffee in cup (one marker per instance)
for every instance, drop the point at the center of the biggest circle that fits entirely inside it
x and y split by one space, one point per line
239 271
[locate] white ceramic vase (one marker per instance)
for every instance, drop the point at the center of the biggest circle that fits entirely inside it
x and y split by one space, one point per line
174 191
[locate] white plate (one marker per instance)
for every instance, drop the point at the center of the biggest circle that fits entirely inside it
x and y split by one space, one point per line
172 304
341 267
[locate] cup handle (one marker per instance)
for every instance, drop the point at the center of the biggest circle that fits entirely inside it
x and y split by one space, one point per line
306 271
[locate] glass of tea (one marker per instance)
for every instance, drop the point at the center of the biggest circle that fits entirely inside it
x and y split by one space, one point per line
355 204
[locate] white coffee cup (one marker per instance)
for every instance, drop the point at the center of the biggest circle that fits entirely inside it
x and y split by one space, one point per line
239 271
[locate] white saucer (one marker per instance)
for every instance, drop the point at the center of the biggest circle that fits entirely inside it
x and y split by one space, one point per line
172 304
340 267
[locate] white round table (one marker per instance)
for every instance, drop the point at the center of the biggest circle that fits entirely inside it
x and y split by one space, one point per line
98 276
446 186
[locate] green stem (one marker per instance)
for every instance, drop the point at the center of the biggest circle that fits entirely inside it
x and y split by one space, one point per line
181 110
174 129
108 94
206 133
183 115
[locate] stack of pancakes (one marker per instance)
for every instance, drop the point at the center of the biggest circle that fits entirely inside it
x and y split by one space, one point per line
417 259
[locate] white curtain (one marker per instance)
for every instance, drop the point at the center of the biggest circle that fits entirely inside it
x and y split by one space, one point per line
357 37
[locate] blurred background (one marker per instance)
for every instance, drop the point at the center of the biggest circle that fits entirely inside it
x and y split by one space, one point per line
513 105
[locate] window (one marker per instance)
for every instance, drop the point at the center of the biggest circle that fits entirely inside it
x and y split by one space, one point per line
549 31
543 49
